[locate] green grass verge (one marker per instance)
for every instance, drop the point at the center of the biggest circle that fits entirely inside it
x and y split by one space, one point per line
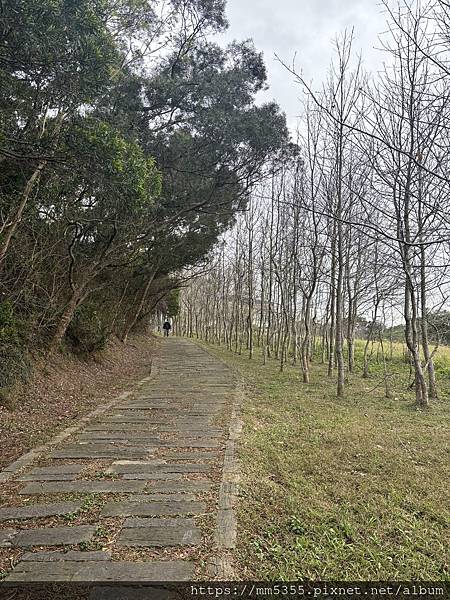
353 489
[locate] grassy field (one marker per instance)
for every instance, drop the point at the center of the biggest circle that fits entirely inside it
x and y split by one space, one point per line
397 368
341 489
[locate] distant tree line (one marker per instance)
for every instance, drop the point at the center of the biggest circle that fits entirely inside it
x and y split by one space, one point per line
128 141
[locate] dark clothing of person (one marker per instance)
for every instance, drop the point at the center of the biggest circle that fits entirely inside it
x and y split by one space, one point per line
167 327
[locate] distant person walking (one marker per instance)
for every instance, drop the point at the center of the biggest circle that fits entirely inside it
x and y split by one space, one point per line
167 327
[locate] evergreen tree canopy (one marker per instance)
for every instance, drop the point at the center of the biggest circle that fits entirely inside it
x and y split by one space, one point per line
128 141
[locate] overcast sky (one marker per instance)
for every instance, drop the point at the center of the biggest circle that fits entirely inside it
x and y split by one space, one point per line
305 28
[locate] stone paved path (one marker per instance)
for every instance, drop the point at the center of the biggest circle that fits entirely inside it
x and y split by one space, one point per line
134 494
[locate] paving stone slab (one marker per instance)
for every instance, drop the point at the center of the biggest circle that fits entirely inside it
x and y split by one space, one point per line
38 510
58 469
56 555
188 419
156 476
191 414
103 446
154 468
104 570
226 529
6 536
143 509
147 534
189 425
227 495
94 455
141 414
121 427
159 408
154 404
217 440
188 443
158 522
162 497
180 486
193 429
164 411
134 419
54 536
201 420
204 408
147 463
87 487
214 403
21 462
150 395
209 455
48 477
119 435
191 434
144 396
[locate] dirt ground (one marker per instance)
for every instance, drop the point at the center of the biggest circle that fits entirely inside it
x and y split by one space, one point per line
63 390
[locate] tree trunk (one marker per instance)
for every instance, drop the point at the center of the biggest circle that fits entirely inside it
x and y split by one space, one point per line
78 295
15 214
139 308
332 305
412 341
424 329
305 348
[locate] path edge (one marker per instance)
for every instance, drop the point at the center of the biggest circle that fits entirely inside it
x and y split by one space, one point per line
221 566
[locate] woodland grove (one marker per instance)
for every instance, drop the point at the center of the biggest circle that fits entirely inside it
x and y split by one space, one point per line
128 140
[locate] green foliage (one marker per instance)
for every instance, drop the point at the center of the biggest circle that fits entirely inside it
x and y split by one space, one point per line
438 328
86 331
62 46
296 526
84 546
131 162
173 303
14 364
14 360
115 169
12 329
